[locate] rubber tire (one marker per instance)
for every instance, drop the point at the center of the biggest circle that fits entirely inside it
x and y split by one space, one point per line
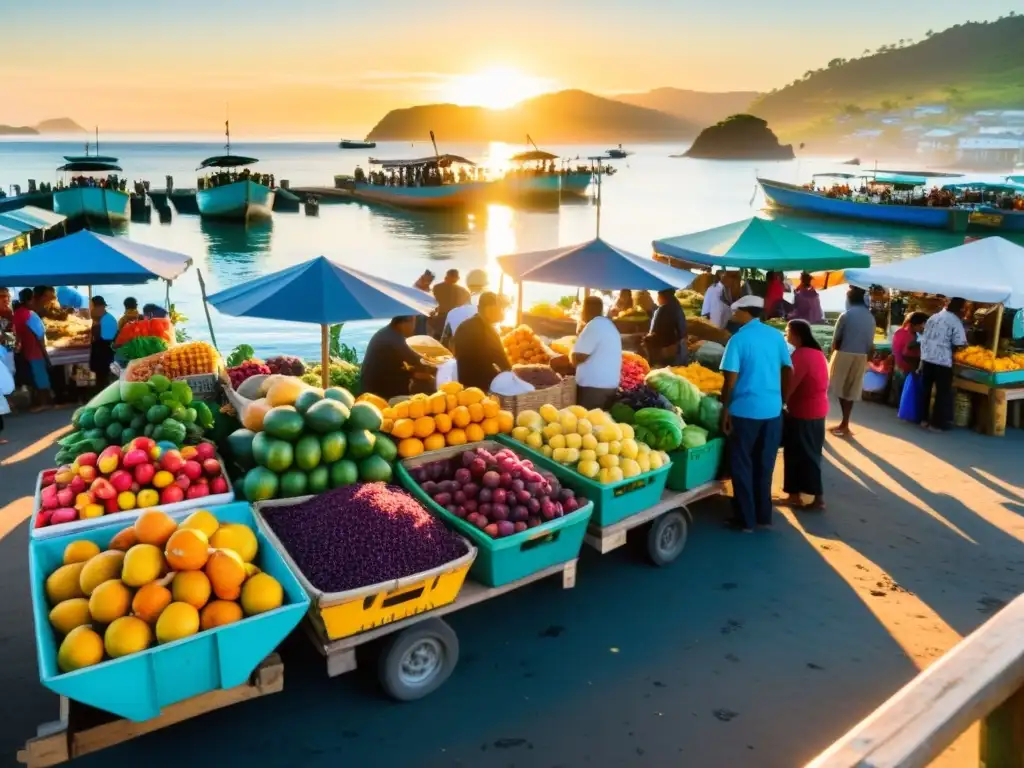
655 553
395 647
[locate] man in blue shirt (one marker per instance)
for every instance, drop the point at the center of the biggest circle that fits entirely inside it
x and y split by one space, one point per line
101 352
757 368
69 298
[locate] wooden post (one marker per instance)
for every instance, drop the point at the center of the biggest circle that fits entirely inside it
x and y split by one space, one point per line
519 305
1002 734
999 328
206 307
325 357
501 283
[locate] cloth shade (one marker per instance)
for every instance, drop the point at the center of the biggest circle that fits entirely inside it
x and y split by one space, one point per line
758 244
29 217
86 258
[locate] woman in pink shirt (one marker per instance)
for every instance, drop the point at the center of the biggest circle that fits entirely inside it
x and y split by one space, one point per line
803 431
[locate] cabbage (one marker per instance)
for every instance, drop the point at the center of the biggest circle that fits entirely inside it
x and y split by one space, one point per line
693 437
681 392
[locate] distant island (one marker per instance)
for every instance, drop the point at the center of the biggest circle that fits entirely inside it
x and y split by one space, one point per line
54 125
739 137
553 118
698 107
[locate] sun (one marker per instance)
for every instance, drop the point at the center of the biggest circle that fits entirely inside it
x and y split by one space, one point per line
495 88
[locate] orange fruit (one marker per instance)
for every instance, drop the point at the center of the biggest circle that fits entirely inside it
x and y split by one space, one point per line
456 437
491 408
217 613
438 403
187 550
226 572
124 540
401 410
460 417
403 428
505 422
489 426
254 413
470 396
474 433
435 442
192 587
443 423
417 409
476 413
451 402
154 527
411 446
423 427
150 601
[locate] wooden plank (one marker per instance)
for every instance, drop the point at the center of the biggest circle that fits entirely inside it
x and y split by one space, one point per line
1002 734
916 725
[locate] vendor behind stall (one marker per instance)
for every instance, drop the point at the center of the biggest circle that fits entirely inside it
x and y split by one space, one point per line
666 343
476 280
478 350
717 306
101 352
623 304
389 365
597 356
31 364
131 312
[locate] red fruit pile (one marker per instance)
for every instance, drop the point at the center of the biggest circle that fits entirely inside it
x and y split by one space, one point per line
632 374
249 368
500 493
141 474
286 365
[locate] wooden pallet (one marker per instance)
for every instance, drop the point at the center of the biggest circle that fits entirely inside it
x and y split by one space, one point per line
341 654
82 729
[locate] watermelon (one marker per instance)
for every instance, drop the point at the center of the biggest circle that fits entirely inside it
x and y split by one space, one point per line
293 483
307 452
326 416
365 416
113 433
84 418
343 472
283 422
319 480
260 448
307 398
384 447
240 443
260 484
102 417
155 414
124 414
280 456
340 394
375 470
360 444
332 447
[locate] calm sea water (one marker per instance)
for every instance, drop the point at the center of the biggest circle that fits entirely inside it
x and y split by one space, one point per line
651 196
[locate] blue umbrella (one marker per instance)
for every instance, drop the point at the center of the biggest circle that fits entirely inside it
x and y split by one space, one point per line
323 292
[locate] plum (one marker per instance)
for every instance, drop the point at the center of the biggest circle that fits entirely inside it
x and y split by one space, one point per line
533 489
471 490
484 510
547 509
459 511
446 486
481 522
443 499
582 501
517 485
485 496
429 487
570 505
505 528
459 497
463 476
451 508
519 526
470 505
478 468
522 496
504 480
491 479
471 518
468 457
533 522
499 512
519 512
499 496
565 494
533 505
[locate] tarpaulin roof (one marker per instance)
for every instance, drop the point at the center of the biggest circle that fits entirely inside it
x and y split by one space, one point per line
988 270
7 234
758 244
324 292
29 217
86 258
595 264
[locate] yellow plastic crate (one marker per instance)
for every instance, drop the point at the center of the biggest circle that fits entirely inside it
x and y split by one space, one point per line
342 614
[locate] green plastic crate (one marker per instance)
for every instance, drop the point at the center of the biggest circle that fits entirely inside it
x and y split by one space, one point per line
696 466
502 561
612 502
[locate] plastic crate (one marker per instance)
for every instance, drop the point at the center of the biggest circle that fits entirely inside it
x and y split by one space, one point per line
502 561
695 466
612 501
992 378
341 614
139 686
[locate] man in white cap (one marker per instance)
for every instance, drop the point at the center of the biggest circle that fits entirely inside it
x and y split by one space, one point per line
757 368
476 281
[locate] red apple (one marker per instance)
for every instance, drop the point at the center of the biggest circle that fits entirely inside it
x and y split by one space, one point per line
121 480
110 506
77 484
219 485
65 497
211 467
205 451
143 444
172 461
86 460
192 470
109 459
143 474
198 491
134 458
182 482
172 494
101 489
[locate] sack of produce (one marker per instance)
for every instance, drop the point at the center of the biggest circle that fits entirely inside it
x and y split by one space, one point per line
509 384
681 392
662 430
709 414
693 437
537 375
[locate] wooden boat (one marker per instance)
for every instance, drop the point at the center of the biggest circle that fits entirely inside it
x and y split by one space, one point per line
102 202
576 183
533 175
617 153
233 195
795 198
355 144
992 205
417 183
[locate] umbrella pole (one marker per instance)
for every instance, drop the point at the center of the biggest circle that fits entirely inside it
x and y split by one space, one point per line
206 307
325 358
501 283
999 328
519 306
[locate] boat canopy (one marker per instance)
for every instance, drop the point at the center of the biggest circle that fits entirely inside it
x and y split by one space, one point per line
440 160
90 165
87 158
533 154
899 181
987 186
1016 179
837 175
920 174
226 161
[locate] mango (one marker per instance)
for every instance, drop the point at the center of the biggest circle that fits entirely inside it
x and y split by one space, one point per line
529 420
202 520
237 537
69 614
261 593
154 527
82 647
192 587
549 413
217 613
127 635
124 540
150 601
63 584
177 621
80 551
142 564
578 411
103 567
226 571
110 600
187 550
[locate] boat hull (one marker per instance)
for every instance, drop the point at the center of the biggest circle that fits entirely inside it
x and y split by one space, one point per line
239 201
990 218
38 199
540 185
576 183
446 196
795 198
106 206
357 144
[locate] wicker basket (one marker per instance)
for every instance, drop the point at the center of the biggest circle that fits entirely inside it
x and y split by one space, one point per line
561 395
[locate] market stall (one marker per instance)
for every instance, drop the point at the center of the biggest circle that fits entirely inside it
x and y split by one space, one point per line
37 224
989 271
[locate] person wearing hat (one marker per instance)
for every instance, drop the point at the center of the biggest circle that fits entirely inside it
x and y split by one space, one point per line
757 370
479 354
806 303
476 281
666 343
449 295
101 351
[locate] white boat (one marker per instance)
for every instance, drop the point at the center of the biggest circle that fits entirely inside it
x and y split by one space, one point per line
95 194
230 194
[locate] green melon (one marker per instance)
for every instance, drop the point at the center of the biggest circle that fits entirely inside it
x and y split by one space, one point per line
306 399
260 484
340 394
307 452
332 447
360 444
326 416
365 416
260 446
375 470
343 472
240 442
293 483
385 447
319 480
280 456
283 422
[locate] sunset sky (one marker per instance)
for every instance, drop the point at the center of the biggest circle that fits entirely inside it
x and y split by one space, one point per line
324 65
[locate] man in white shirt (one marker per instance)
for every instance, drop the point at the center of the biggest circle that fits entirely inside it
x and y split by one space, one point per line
716 307
476 281
943 333
597 357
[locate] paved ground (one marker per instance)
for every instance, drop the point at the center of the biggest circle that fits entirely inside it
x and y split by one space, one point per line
749 651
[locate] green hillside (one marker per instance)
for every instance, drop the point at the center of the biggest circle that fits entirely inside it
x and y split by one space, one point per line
969 66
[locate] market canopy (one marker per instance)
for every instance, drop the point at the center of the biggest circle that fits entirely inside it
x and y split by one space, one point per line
324 292
8 235
29 217
758 244
596 264
989 270
86 258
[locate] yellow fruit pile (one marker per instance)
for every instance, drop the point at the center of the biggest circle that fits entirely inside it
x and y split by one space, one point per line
703 378
451 416
190 359
564 345
157 581
551 311
523 347
980 357
589 441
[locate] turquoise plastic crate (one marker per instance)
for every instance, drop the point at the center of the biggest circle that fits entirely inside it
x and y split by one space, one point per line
501 561
696 466
992 378
612 502
139 686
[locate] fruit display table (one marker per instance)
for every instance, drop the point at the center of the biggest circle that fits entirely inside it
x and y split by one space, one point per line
997 399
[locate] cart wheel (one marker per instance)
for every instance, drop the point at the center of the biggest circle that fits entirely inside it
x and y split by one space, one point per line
416 662
667 537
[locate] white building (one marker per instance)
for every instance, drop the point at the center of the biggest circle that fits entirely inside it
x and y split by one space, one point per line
987 152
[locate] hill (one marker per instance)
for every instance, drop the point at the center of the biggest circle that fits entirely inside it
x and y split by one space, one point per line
563 117
59 125
969 66
739 137
18 130
699 107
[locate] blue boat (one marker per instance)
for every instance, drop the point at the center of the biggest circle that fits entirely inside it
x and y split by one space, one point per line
994 205
89 196
576 183
795 198
230 194
427 182
533 174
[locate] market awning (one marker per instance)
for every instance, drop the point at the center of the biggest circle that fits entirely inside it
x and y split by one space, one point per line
989 270
758 244
595 264
29 217
324 292
86 258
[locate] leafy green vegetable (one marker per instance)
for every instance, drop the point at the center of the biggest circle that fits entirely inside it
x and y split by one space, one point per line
622 413
239 355
693 437
339 351
141 346
204 416
170 429
681 392
664 428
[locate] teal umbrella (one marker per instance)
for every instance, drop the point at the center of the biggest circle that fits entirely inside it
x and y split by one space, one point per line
758 244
